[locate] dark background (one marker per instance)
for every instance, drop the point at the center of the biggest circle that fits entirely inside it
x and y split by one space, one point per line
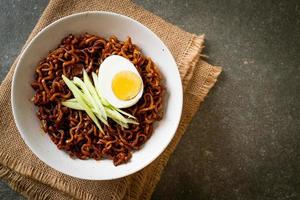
244 143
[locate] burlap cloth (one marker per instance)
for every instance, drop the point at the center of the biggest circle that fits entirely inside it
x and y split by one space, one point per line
26 174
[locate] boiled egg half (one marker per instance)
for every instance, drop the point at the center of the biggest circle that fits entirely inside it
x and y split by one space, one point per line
120 82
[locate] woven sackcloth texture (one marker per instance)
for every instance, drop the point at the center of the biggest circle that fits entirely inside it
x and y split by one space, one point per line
26 174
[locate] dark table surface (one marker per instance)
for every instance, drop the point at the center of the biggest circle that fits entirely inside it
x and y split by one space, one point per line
244 143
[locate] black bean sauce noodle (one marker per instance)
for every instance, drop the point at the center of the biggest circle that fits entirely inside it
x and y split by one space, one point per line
72 130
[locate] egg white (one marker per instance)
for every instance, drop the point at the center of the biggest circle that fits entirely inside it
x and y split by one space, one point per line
108 69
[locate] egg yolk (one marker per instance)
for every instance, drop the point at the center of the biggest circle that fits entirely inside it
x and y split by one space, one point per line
126 85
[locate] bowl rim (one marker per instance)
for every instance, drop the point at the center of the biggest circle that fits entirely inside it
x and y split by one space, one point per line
130 170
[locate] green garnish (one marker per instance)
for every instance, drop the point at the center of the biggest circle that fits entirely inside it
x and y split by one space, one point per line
88 97
81 100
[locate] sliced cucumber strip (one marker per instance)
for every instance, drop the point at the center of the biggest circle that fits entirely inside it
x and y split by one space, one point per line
89 98
80 98
93 92
97 86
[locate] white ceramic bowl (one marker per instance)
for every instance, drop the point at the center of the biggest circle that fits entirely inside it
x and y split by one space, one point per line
104 24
